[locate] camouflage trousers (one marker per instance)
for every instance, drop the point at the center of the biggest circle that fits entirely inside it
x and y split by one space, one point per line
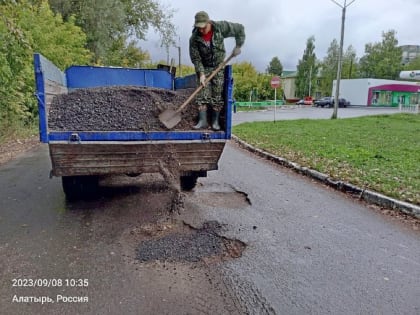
212 93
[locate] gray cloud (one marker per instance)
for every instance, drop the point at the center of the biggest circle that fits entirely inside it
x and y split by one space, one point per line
281 27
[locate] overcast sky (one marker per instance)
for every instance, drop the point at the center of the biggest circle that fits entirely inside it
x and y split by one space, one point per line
281 27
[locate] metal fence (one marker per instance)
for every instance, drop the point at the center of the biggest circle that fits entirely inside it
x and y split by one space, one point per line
257 104
414 109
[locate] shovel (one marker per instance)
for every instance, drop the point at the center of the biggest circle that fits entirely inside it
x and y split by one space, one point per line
170 118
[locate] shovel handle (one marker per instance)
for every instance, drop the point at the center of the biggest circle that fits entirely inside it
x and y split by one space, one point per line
189 99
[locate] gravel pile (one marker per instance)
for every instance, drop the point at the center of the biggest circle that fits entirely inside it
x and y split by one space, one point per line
118 108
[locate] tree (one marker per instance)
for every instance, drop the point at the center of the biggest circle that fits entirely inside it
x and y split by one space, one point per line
26 28
328 67
275 67
107 21
61 42
126 55
350 64
245 79
306 70
382 60
249 84
14 56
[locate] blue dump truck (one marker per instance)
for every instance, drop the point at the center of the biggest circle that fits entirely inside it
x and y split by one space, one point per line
82 157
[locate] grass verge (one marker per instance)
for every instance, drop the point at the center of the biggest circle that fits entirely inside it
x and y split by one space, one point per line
17 130
381 153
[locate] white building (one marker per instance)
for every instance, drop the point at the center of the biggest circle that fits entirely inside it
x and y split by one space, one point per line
378 92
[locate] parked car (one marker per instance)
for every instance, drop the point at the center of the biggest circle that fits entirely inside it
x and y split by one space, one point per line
342 102
328 101
305 101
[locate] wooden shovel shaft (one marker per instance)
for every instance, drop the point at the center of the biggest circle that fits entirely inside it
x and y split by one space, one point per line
206 81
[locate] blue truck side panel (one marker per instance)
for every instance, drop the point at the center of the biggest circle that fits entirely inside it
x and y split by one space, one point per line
87 77
45 70
229 100
40 95
189 81
137 136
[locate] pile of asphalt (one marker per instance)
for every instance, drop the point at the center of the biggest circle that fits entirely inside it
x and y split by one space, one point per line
118 108
183 247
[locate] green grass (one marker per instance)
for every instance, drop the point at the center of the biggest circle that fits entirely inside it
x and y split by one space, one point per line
381 153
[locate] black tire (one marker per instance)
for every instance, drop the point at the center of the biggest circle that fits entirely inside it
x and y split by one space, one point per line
79 187
188 182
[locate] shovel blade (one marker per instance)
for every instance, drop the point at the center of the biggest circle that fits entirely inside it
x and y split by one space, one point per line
170 118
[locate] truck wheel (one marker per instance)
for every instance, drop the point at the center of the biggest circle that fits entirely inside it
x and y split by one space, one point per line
78 187
188 182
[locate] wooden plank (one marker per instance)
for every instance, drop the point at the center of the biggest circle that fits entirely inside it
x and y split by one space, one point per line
91 159
70 171
127 148
52 89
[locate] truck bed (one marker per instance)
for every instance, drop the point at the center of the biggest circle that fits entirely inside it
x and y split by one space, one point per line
51 81
81 156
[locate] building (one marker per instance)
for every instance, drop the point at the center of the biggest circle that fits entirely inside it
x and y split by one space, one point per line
409 53
378 92
288 79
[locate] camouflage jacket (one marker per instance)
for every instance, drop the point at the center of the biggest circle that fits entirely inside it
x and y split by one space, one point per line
204 56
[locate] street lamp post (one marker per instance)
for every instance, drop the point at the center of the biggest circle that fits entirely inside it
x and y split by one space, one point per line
340 55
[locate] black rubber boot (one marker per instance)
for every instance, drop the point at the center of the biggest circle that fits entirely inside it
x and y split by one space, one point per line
215 120
202 119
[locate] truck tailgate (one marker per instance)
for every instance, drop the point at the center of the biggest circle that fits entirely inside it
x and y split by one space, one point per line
117 157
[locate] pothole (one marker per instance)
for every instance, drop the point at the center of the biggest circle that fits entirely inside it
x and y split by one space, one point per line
222 196
230 200
187 244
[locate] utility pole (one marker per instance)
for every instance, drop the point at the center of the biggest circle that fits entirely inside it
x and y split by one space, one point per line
340 56
179 56
179 61
310 81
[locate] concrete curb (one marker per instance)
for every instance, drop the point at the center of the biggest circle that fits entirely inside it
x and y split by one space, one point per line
369 196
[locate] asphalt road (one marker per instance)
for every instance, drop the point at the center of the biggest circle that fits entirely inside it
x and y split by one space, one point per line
292 246
309 112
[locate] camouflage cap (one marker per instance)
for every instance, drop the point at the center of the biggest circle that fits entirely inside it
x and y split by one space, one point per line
201 19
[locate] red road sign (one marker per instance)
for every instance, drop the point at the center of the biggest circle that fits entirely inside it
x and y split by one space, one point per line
275 82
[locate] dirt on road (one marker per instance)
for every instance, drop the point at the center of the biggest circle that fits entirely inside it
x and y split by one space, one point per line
11 148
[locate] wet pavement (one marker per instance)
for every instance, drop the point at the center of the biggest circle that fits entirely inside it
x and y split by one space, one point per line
252 238
123 251
308 112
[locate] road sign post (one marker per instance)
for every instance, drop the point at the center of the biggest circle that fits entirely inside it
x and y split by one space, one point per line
275 83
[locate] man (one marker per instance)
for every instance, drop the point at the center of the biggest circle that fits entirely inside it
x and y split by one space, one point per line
207 51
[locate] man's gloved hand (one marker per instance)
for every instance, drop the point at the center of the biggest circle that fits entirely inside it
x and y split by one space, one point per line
203 79
236 51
